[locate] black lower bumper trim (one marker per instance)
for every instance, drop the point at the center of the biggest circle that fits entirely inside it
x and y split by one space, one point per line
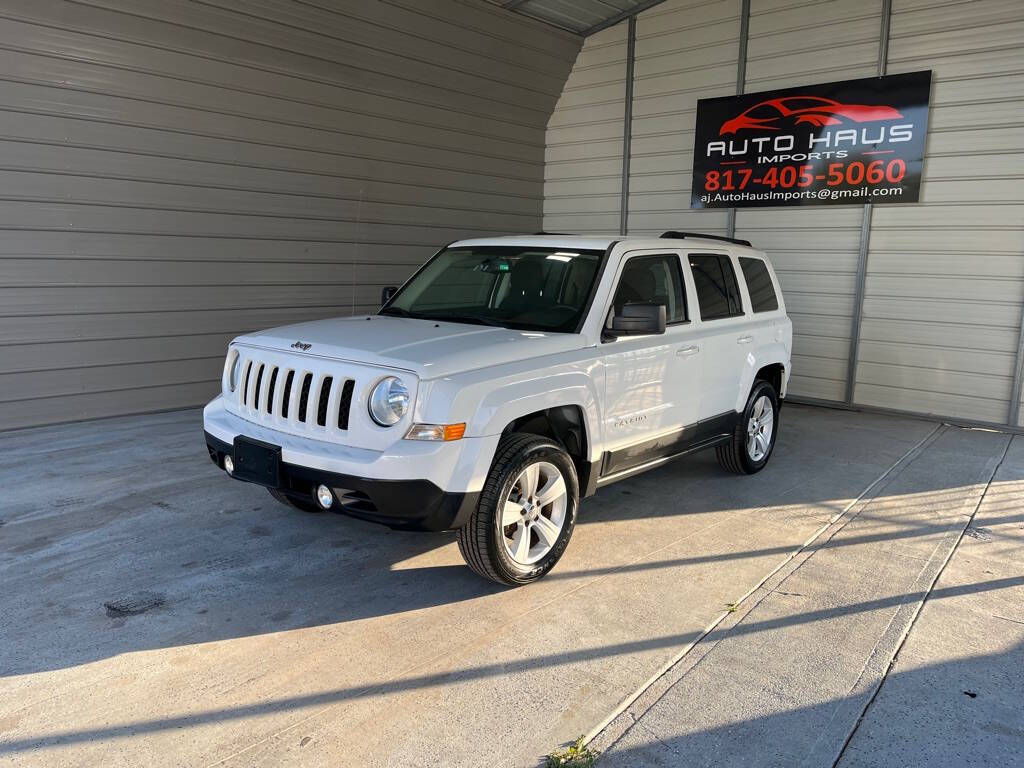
403 504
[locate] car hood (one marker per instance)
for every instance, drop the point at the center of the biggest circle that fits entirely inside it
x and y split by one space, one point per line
431 349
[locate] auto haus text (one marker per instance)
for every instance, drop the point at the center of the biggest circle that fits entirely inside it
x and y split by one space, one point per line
834 144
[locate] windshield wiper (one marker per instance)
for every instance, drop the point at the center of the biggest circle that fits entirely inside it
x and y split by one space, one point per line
476 319
397 312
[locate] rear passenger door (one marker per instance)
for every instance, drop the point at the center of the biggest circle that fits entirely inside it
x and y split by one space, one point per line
726 331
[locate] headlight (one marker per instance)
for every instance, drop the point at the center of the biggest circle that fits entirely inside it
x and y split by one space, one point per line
389 401
234 362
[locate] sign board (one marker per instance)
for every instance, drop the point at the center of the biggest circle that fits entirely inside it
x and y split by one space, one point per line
832 144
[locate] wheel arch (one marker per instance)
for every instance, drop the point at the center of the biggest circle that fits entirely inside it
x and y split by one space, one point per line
772 365
566 425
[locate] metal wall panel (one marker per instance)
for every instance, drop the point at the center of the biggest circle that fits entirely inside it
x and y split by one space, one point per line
583 161
685 51
945 281
944 293
814 249
175 173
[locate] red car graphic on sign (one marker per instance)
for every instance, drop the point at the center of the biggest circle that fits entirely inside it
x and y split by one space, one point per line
774 114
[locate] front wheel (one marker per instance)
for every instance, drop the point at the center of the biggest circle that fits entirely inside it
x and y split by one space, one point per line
753 439
526 513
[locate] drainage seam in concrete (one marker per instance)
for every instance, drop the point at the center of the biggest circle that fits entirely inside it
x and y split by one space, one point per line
920 606
903 461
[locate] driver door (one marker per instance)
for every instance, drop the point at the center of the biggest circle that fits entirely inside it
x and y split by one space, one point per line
652 383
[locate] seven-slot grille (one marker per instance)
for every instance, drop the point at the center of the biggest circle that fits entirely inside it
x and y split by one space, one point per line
293 395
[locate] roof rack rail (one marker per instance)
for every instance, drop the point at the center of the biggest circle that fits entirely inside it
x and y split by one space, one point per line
675 235
555 234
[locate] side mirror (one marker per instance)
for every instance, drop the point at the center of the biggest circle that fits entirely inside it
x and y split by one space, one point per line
386 293
638 320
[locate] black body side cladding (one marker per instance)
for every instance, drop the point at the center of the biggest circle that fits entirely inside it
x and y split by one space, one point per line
694 437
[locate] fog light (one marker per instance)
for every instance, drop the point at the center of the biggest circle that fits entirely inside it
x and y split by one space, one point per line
229 464
324 496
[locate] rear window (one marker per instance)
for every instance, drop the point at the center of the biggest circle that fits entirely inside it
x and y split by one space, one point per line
759 285
718 293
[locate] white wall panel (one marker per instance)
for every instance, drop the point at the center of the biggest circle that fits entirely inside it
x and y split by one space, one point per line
174 173
583 159
814 249
945 283
944 293
685 50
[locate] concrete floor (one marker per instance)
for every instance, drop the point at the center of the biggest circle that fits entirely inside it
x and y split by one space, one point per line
896 639
155 612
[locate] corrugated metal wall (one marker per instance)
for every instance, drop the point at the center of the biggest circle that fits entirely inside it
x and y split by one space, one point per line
945 284
814 249
583 168
944 293
684 51
173 173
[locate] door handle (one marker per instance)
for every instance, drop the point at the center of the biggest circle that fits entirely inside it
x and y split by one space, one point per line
687 351
744 339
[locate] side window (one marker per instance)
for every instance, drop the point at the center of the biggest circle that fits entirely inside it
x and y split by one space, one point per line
718 293
759 285
653 280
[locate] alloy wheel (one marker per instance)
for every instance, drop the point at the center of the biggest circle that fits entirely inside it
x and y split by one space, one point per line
759 428
533 513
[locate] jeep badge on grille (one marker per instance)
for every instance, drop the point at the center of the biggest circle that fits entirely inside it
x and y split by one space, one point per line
300 345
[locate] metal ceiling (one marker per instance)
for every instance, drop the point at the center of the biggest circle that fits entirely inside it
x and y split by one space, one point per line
584 17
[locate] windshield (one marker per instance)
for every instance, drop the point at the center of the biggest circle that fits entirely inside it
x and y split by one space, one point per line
526 288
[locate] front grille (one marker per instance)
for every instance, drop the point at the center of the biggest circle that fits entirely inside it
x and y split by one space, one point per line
325 393
259 381
304 396
287 393
245 386
291 395
345 404
270 391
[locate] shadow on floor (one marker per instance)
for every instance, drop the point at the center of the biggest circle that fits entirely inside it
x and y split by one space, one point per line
123 537
726 746
961 712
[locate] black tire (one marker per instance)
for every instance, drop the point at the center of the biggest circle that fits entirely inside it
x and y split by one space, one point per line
481 539
733 456
296 501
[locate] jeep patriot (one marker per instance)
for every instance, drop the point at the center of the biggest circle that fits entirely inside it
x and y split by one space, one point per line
509 378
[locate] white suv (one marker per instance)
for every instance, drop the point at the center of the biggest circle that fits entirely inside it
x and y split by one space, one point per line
508 378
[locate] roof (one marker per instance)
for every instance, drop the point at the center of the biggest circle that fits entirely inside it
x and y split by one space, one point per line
581 17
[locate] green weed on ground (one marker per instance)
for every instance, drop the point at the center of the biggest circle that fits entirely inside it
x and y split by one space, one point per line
576 755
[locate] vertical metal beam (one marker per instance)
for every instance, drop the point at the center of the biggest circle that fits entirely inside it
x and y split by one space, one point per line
858 301
1018 378
865 230
741 83
883 38
627 128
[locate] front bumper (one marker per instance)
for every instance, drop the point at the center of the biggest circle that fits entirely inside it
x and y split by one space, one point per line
403 504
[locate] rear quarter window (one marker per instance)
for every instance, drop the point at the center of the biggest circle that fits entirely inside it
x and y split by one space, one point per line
759 285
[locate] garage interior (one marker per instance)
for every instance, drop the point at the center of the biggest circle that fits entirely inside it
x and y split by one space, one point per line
178 172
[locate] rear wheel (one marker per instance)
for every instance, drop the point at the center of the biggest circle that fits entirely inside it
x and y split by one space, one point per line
295 501
753 440
526 514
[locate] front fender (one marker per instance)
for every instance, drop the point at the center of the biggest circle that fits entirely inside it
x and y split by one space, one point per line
489 402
